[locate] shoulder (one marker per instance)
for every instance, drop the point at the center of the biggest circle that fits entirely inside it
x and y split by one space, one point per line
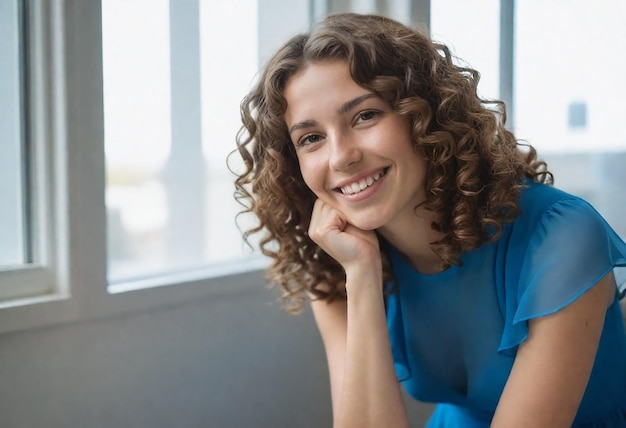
554 226
557 249
536 199
547 212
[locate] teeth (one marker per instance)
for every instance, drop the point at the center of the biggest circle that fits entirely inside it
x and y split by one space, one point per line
361 185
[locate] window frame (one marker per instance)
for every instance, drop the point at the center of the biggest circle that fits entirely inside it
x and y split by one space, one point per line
32 277
18 272
65 136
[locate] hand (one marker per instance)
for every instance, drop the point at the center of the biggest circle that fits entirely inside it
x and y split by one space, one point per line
344 242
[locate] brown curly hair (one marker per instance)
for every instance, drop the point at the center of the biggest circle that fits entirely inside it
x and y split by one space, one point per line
475 166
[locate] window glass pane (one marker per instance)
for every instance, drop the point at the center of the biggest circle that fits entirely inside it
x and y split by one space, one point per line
229 60
174 74
12 213
397 9
137 133
569 92
471 29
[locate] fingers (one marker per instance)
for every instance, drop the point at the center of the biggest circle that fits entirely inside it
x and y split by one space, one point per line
330 229
325 219
366 235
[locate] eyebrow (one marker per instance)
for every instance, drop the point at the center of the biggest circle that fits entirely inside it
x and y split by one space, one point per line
349 105
302 125
344 108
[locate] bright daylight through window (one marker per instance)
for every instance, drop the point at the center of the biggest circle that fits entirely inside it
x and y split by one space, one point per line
174 74
13 245
567 95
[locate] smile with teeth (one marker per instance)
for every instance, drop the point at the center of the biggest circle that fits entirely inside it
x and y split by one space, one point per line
362 184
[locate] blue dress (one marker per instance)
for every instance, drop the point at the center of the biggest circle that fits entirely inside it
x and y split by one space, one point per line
454 334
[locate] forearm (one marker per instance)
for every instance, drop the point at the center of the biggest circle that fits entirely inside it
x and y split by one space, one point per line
370 394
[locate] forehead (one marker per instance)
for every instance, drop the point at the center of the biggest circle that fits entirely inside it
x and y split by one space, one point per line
318 87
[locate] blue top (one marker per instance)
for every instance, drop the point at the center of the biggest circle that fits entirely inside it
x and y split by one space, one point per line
454 334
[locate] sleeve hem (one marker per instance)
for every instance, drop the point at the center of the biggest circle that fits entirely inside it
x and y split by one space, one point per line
519 331
517 318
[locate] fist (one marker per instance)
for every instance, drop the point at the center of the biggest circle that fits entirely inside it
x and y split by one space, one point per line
344 242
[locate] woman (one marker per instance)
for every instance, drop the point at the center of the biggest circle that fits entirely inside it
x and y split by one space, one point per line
431 244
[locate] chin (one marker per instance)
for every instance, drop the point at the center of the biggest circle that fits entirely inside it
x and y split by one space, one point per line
366 223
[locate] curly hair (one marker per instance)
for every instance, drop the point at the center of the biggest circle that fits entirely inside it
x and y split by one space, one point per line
475 166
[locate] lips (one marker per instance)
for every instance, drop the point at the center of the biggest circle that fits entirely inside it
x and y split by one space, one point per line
362 184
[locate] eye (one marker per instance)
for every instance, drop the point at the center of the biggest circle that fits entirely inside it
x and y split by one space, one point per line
307 139
366 115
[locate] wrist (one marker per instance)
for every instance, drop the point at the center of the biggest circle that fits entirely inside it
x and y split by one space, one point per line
366 275
364 267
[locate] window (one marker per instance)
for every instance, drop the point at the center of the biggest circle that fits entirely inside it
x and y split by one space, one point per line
116 118
472 31
22 259
397 9
568 96
13 243
173 80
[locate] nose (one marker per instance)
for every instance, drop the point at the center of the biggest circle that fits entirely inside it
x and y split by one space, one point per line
344 152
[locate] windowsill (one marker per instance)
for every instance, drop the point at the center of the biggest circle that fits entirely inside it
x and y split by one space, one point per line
87 303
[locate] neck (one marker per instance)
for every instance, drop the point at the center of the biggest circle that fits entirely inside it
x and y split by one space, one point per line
412 237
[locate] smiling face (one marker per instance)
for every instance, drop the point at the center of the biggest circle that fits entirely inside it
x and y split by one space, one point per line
355 153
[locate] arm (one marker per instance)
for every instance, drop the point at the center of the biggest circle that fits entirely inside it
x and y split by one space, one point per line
553 364
365 391
364 388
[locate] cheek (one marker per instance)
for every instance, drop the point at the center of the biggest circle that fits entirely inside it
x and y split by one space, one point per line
312 175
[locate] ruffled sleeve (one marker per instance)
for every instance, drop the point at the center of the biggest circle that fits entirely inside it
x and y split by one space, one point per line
570 250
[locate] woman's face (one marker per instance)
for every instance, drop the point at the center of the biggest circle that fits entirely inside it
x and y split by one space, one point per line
354 152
